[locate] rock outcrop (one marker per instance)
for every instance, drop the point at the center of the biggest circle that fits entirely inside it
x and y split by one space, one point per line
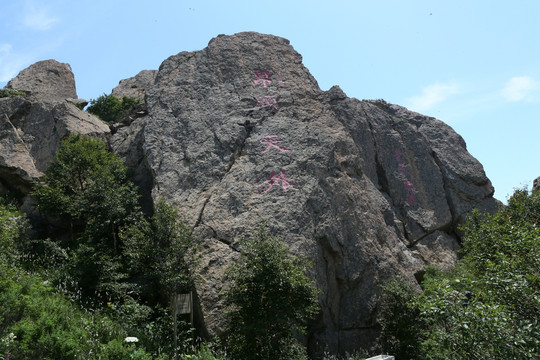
32 125
239 134
136 86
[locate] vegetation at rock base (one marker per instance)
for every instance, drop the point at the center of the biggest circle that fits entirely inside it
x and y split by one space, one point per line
488 307
111 109
99 286
271 300
96 281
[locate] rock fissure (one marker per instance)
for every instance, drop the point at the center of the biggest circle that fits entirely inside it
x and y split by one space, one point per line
446 228
220 239
445 185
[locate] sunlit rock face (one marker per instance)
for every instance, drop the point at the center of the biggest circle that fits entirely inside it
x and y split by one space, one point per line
33 123
238 135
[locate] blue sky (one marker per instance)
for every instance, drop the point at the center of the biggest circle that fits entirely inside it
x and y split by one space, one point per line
472 64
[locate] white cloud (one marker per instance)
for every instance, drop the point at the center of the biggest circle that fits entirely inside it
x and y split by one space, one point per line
432 95
11 63
38 18
519 88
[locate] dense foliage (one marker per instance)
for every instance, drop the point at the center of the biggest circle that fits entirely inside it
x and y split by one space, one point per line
87 193
488 307
99 287
271 300
111 109
104 275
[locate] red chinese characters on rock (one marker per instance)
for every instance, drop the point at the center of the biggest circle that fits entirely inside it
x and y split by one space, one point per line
267 101
409 186
272 142
275 179
262 78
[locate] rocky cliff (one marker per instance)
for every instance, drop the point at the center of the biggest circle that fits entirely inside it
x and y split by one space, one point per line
239 134
35 120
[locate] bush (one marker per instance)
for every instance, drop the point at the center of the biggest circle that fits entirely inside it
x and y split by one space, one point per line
399 317
270 301
111 109
163 252
87 193
11 93
488 307
115 262
38 323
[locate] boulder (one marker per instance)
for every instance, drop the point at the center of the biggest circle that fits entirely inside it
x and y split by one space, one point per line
46 81
240 134
32 125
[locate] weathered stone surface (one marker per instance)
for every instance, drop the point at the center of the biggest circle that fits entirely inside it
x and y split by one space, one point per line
240 133
536 184
16 165
439 249
46 81
127 142
32 126
136 86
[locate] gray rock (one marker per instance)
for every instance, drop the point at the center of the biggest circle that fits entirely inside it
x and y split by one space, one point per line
240 133
438 248
46 81
31 127
136 86
536 184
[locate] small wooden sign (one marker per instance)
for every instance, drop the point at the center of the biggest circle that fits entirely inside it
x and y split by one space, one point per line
182 303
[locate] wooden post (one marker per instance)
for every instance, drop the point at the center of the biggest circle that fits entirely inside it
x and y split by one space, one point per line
175 315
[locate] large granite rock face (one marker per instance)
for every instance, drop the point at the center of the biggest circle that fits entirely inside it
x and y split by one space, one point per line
32 126
240 134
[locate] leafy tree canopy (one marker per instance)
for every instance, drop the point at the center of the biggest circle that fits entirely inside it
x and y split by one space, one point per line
111 109
488 307
271 300
87 187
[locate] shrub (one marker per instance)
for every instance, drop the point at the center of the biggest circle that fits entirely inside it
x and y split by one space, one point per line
488 307
111 109
88 191
38 323
11 93
270 301
163 252
399 317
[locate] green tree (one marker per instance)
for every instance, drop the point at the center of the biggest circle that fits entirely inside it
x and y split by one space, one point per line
87 188
270 300
163 252
488 307
87 193
399 317
111 109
